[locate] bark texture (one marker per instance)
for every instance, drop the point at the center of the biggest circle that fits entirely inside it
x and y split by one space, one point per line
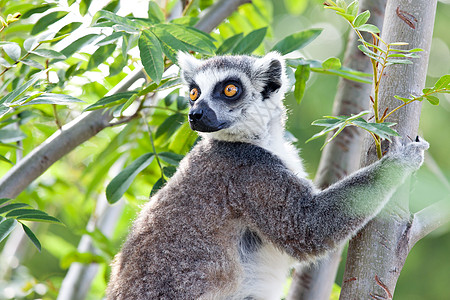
377 254
340 158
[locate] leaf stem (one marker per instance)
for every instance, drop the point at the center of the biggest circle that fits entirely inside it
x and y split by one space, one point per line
20 59
152 143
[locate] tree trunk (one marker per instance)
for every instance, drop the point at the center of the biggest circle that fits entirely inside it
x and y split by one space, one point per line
339 158
377 254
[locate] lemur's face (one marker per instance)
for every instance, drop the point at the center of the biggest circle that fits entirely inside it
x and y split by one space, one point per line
232 94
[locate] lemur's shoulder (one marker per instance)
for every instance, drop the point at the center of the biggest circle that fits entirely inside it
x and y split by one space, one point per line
224 154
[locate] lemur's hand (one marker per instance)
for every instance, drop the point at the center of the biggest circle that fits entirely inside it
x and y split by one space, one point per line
410 154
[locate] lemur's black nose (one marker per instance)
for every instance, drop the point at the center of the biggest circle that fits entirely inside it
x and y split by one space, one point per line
195 115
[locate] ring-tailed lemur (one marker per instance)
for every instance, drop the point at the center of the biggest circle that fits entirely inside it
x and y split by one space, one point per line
239 211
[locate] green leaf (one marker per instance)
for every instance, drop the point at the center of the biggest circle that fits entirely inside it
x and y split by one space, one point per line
151 55
78 44
332 63
11 135
334 123
49 53
37 217
37 10
347 73
182 103
337 9
361 19
112 100
170 157
406 100
391 61
229 44
4 63
169 43
19 91
432 99
250 42
296 41
170 125
84 6
370 53
399 44
155 13
128 103
13 51
169 171
113 6
86 258
119 184
301 77
6 226
118 65
326 122
186 21
116 19
12 206
369 28
43 23
110 38
24 211
442 82
193 39
4 200
4 159
157 186
64 31
50 98
405 55
383 130
33 63
348 17
32 237
341 4
56 39
100 55
406 50
352 8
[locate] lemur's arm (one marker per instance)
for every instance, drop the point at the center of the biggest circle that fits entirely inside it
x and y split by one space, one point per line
307 223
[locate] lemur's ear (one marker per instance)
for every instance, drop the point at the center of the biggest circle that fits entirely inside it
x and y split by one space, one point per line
188 64
270 70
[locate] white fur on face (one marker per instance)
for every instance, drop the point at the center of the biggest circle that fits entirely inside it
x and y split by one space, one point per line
253 120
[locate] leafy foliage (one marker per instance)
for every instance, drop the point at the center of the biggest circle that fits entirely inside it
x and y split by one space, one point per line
59 61
382 55
14 213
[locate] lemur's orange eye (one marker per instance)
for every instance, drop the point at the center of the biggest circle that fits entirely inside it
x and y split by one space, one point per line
193 94
230 90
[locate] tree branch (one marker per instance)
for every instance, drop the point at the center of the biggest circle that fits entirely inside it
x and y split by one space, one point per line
435 215
217 13
429 219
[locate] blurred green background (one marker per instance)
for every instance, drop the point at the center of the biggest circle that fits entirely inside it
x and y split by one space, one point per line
70 188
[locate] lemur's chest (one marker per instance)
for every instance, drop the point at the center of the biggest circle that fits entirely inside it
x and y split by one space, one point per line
266 268
288 154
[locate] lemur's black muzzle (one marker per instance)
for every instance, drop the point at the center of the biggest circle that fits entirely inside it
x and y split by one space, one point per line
202 118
